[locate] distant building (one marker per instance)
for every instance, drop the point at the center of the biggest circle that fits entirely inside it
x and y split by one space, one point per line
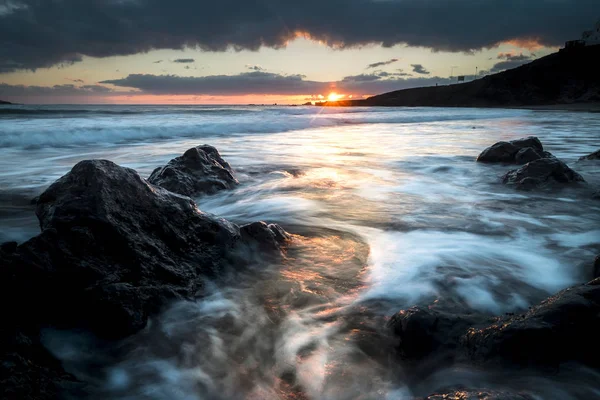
588 38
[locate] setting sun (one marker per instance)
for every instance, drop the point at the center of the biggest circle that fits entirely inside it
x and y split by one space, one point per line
334 96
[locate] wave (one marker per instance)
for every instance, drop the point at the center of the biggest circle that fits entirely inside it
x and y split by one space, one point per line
151 123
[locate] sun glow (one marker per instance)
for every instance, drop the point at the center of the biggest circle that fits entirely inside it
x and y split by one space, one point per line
334 96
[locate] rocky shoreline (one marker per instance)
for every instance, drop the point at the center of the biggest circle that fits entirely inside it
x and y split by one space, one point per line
115 249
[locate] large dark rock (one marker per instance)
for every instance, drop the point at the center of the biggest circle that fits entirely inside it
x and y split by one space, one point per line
506 152
114 249
565 327
200 170
593 156
477 394
540 172
422 332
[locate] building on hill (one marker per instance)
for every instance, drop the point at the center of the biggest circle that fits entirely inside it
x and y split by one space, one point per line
588 38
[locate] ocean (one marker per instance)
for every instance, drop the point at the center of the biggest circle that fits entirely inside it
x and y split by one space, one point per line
388 209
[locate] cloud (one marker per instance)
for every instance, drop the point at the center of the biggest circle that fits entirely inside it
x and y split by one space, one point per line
157 62
261 83
511 61
254 67
75 80
382 63
20 91
39 34
184 60
513 57
419 69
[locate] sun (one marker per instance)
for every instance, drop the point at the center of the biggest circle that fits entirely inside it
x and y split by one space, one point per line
333 96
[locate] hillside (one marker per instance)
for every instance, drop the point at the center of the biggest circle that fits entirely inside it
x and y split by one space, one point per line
569 76
5 102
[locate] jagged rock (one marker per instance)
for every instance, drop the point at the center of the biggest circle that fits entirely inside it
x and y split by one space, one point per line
593 156
422 332
200 170
562 328
114 249
540 172
477 394
267 236
505 152
527 154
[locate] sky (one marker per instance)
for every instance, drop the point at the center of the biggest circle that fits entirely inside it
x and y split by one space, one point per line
267 51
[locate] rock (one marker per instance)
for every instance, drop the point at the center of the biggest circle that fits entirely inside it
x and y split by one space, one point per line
114 249
540 172
593 156
596 195
200 170
505 152
564 327
597 267
527 154
477 394
422 332
267 236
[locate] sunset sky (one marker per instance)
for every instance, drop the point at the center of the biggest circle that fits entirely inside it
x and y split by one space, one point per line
266 51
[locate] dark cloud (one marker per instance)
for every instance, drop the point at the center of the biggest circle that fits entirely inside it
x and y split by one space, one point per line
511 61
419 69
513 57
157 62
254 67
37 33
21 91
75 80
184 60
268 83
382 63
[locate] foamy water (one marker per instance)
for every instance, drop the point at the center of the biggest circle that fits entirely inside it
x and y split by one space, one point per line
388 210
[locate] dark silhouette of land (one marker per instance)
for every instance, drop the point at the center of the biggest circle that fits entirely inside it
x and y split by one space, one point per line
5 102
569 77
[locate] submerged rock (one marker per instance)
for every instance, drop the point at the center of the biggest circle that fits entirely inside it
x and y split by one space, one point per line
562 328
477 394
516 151
593 156
200 170
422 332
540 172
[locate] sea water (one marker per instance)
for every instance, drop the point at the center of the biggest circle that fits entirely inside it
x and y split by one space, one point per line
388 209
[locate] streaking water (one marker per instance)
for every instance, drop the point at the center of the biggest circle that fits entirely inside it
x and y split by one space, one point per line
388 209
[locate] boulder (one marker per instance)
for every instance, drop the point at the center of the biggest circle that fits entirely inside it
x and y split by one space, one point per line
505 152
562 328
422 332
200 170
540 172
527 154
593 156
115 248
477 394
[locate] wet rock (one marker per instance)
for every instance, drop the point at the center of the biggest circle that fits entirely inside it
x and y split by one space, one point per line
527 154
562 328
267 236
505 152
541 172
200 170
422 331
597 267
593 156
114 249
477 394
596 195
